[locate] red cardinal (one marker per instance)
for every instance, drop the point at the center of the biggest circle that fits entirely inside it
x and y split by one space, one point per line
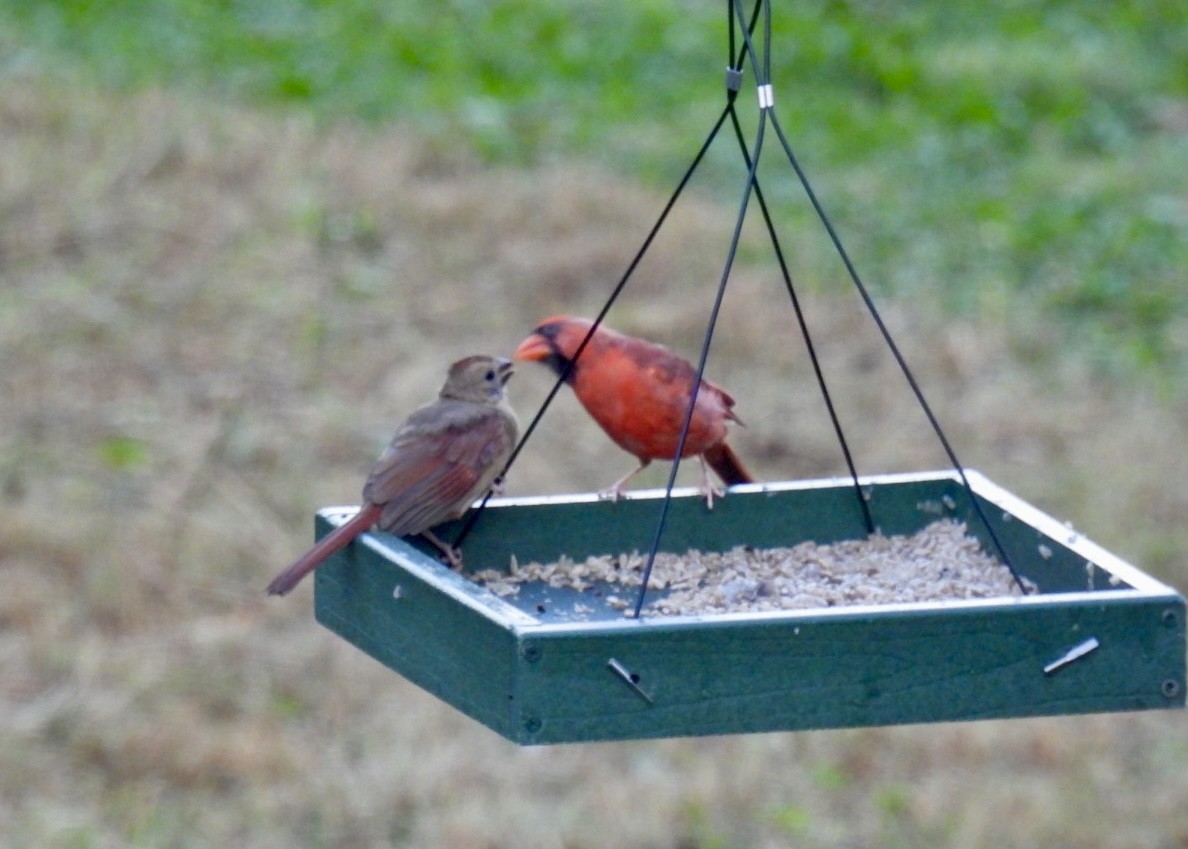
639 393
444 456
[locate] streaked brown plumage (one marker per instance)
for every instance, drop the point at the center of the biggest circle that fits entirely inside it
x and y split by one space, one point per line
443 457
639 393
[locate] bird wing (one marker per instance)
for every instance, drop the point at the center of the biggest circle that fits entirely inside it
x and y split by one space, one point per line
672 379
668 369
443 457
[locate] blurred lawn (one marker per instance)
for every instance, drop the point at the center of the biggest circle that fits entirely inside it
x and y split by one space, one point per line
1025 160
212 312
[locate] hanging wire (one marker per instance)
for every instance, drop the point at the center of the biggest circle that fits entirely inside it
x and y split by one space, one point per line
894 348
733 79
473 516
810 347
769 107
762 65
826 396
731 253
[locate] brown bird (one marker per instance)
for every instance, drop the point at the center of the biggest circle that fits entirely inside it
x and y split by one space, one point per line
443 457
639 393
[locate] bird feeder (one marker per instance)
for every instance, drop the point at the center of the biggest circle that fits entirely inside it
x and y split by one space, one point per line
1096 635
1099 635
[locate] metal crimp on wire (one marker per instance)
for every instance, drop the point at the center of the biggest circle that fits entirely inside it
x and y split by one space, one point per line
766 96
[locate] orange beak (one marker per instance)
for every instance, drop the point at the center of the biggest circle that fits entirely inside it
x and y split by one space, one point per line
533 349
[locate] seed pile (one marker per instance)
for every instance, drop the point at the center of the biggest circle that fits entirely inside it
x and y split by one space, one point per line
941 562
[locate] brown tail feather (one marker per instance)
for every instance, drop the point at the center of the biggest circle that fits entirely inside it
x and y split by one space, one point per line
328 545
726 465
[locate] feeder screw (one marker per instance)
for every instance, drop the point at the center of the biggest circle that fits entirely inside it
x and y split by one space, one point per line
629 678
532 724
1170 618
1170 688
532 653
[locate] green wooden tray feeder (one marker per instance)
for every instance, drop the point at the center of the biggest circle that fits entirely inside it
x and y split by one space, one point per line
1100 635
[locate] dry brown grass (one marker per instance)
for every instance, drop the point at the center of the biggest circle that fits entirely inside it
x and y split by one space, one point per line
209 319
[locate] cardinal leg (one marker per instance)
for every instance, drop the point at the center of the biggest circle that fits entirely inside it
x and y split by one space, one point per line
452 555
708 489
615 491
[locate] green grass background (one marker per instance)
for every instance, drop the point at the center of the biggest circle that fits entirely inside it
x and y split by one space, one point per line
238 240
1022 159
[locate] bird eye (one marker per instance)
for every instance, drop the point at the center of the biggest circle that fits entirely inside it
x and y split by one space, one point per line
490 374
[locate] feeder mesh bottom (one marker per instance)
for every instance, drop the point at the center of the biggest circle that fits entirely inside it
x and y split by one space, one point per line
939 563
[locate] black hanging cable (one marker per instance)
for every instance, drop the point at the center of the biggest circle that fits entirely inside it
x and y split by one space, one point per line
473 516
894 348
751 184
734 59
865 295
735 11
731 61
734 72
709 334
826 396
766 110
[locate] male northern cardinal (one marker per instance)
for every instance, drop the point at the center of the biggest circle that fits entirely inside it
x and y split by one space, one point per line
639 393
444 456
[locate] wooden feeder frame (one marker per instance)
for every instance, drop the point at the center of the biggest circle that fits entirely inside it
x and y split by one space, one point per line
1100 635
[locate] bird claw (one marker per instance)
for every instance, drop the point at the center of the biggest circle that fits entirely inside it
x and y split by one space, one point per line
615 491
707 486
452 555
709 492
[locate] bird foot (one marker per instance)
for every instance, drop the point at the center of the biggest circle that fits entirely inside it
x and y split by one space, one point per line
710 492
707 487
615 491
452 555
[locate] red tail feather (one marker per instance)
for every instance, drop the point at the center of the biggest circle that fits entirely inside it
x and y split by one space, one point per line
726 465
328 545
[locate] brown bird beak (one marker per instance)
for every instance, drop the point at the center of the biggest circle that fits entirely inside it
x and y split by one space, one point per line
533 349
505 369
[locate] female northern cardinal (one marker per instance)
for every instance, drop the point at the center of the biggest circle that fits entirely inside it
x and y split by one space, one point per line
444 456
639 393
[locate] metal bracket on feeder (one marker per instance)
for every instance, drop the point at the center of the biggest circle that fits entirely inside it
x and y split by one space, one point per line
1072 655
631 679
